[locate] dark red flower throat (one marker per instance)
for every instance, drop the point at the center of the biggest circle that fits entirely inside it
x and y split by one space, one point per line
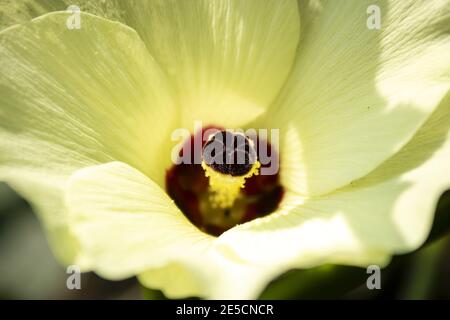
188 186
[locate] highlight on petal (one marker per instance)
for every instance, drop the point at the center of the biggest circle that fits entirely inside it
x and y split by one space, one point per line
388 212
73 98
126 224
227 58
357 95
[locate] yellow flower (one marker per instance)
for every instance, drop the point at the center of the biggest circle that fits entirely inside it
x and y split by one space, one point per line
86 117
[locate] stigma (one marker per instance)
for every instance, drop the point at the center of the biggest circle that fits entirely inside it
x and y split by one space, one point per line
228 159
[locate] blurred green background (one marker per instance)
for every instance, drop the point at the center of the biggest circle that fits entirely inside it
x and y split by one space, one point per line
29 271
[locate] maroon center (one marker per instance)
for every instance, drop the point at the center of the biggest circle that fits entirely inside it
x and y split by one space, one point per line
187 185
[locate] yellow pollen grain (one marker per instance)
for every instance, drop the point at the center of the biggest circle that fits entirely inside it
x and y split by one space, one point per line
225 188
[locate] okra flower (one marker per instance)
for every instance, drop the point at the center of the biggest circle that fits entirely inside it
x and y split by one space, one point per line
86 117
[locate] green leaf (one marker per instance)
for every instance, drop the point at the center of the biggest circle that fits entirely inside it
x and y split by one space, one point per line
325 282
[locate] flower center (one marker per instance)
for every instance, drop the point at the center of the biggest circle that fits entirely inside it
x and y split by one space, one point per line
229 153
221 186
228 160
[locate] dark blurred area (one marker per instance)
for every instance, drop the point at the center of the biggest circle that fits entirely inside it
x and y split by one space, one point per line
28 269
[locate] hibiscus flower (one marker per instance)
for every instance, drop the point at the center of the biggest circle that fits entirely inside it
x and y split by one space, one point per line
87 115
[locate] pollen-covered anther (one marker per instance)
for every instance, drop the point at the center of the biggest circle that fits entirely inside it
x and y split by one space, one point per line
228 159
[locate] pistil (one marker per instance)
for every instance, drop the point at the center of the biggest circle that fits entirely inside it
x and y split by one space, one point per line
228 160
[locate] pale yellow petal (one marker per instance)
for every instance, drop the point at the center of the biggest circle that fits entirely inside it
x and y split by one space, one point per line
125 223
73 98
357 95
388 212
14 12
227 58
